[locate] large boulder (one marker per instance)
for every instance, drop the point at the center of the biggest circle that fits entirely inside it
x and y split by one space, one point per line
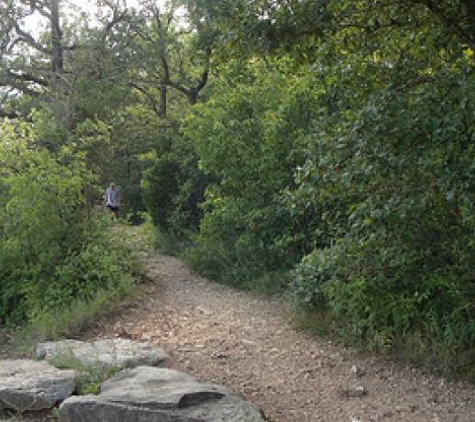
27 385
146 394
117 353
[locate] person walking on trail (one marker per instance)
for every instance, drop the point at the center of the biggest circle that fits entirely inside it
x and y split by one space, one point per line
112 200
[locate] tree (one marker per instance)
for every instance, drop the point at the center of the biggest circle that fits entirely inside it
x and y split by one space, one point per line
43 66
171 71
167 59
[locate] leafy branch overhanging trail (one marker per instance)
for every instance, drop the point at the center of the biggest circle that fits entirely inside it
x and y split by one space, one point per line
245 342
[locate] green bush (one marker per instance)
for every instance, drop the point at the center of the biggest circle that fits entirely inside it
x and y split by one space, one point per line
398 185
173 188
159 187
249 138
53 250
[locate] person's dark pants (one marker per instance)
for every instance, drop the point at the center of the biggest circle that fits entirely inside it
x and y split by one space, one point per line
114 210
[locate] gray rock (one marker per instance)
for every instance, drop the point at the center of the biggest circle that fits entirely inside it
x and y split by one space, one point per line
29 417
147 394
29 385
118 353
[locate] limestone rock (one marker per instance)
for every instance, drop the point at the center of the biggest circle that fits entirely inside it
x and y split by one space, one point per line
146 394
118 353
27 385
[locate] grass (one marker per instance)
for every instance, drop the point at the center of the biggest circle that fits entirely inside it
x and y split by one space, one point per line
90 378
420 348
68 322
71 321
270 284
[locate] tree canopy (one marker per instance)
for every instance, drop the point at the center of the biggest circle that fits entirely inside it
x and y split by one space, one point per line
321 149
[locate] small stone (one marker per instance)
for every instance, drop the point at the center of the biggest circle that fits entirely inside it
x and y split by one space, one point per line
355 392
204 311
220 355
357 371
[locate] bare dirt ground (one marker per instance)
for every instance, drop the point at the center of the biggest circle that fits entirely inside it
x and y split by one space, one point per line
245 342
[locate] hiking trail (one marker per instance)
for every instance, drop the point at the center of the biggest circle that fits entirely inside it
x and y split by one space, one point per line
246 343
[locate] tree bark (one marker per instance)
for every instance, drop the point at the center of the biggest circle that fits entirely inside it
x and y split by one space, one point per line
163 101
57 60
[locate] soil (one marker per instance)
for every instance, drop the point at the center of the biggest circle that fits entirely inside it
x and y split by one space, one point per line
247 343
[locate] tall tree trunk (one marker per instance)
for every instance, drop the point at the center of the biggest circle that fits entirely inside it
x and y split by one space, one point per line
163 101
56 39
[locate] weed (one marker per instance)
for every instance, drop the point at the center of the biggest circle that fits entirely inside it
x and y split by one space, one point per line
90 378
67 322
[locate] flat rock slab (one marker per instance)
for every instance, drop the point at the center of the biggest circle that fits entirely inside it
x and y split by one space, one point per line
117 353
27 385
36 416
146 394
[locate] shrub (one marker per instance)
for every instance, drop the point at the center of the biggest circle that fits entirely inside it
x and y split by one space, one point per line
398 189
53 250
173 188
249 140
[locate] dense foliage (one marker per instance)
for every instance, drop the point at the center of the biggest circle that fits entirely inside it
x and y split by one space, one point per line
249 139
53 250
321 147
354 166
399 201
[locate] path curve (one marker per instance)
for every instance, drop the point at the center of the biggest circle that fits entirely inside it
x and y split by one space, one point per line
244 342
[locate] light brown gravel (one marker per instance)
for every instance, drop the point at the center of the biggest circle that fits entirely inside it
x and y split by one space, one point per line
245 342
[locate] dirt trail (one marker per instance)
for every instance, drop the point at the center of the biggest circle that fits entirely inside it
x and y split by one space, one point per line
244 342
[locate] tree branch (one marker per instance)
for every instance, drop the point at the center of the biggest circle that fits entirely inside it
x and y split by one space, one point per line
415 82
452 25
26 77
470 9
149 98
117 16
205 74
27 38
9 114
22 88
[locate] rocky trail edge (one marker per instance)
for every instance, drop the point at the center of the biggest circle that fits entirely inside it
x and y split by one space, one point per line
246 343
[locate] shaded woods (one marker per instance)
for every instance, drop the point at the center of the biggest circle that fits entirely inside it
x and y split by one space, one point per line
318 149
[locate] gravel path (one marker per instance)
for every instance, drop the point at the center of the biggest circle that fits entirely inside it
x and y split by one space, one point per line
244 342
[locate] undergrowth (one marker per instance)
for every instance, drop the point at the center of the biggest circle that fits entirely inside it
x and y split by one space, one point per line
75 316
70 321
419 348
